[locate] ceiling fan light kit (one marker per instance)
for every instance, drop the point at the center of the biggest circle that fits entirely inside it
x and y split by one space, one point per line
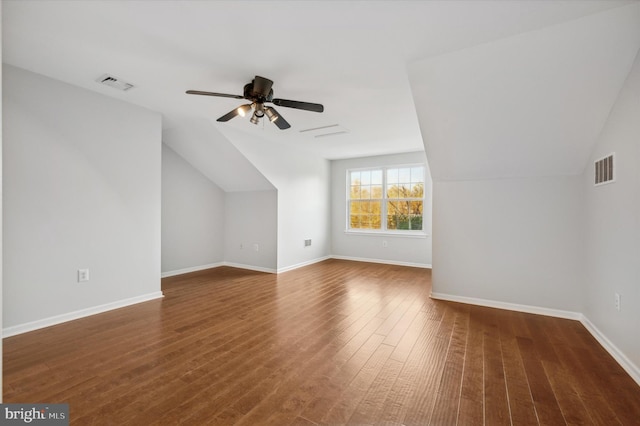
244 109
258 92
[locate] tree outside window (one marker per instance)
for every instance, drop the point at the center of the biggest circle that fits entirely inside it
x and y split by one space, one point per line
386 198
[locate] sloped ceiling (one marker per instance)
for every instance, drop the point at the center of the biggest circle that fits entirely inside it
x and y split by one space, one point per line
201 142
528 105
353 58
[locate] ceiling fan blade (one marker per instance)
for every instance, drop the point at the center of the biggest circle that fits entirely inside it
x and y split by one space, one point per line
220 95
262 86
307 106
280 121
228 116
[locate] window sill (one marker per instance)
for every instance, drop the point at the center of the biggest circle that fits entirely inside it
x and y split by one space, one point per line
403 234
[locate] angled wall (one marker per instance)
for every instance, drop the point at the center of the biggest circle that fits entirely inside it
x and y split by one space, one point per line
510 129
515 241
302 181
612 231
193 217
81 190
250 230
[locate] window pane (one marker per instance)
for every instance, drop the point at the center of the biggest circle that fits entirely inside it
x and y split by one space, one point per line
391 208
392 191
417 174
375 221
392 222
355 192
403 207
354 221
365 192
416 208
355 207
355 178
376 191
404 175
416 222
365 177
375 207
376 177
417 190
392 176
402 221
404 190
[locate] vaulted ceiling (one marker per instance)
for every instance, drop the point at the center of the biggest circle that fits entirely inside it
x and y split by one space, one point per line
495 88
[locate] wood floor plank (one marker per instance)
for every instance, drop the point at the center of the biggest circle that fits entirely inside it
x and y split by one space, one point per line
368 410
471 406
496 404
447 402
344 407
521 405
545 401
334 342
424 392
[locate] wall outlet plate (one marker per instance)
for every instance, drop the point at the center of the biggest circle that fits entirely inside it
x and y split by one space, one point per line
83 275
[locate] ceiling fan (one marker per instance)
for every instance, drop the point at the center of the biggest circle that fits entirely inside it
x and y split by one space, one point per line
258 92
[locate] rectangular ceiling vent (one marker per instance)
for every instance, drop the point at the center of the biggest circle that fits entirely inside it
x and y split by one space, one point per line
604 170
114 82
330 130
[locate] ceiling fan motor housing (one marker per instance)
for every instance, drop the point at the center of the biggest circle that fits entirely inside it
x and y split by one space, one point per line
259 90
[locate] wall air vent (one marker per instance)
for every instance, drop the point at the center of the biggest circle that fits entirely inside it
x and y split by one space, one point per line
114 82
604 170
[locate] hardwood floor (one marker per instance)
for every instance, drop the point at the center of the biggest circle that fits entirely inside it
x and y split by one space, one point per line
333 343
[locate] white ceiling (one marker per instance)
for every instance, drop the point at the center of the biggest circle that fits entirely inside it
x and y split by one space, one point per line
350 56
528 105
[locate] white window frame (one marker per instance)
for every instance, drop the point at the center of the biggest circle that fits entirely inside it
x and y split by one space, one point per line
384 231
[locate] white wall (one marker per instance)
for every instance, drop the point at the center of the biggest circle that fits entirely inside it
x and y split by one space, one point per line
511 240
302 182
193 216
613 226
81 190
251 218
400 249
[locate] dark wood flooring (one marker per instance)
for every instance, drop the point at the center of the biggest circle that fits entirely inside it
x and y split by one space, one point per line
337 342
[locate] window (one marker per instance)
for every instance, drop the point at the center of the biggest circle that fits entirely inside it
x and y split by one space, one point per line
386 199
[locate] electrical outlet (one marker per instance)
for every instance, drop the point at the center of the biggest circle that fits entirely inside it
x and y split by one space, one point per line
384 243
83 275
307 243
617 301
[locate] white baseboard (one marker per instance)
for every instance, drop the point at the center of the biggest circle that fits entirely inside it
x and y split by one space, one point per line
632 369
291 267
249 267
58 319
191 269
384 261
509 306
300 265
628 366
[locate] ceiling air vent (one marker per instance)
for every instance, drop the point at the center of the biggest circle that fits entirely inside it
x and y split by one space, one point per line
330 130
114 82
604 170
